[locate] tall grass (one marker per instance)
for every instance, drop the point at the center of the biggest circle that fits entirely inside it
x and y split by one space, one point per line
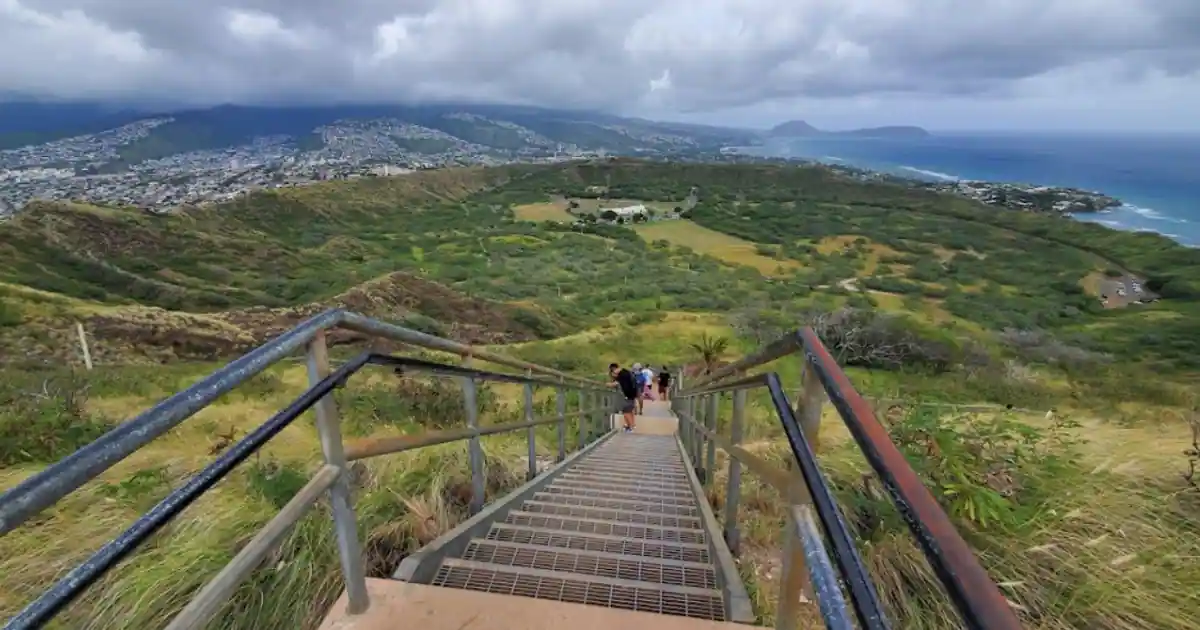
402 502
1078 533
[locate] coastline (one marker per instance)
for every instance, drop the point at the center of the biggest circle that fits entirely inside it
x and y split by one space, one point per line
1151 179
1058 200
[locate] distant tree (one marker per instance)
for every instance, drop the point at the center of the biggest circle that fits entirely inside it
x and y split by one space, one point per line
710 350
609 215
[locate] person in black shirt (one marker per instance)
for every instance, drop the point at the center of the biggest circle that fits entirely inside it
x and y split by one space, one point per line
623 380
664 382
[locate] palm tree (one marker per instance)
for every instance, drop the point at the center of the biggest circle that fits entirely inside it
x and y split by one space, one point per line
710 350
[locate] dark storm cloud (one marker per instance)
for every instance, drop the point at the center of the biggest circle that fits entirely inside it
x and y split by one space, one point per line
676 54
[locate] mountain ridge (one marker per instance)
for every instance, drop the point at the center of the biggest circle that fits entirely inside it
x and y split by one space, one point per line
801 129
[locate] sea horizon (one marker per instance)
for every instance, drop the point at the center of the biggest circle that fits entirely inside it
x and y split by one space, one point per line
1155 175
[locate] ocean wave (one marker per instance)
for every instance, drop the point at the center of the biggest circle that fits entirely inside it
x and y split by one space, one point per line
1151 214
935 174
1112 224
832 158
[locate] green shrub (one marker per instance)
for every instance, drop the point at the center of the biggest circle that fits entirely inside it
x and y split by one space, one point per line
44 422
10 314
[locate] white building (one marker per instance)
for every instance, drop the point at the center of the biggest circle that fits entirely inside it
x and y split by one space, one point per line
628 211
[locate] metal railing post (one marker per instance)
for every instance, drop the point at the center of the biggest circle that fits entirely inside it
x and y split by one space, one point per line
683 412
698 443
734 488
533 467
794 579
582 423
560 405
822 571
345 523
809 406
714 402
474 447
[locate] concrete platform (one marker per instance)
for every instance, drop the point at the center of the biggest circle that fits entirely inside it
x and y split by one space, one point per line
407 605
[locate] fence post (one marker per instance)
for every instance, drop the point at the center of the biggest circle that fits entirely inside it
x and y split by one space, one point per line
698 444
345 523
809 405
794 581
83 345
582 423
733 491
710 459
474 447
533 467
685 408
560 405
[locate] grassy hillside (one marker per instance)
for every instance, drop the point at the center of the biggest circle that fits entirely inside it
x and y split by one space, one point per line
1085 518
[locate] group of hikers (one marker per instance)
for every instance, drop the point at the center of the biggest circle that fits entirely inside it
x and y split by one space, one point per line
636 385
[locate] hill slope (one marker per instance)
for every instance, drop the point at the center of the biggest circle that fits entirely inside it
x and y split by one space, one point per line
1083 515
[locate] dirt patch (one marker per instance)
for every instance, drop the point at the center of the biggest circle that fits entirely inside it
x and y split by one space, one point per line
148 334
547 211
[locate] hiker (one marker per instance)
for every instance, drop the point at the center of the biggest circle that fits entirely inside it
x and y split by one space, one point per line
624 380
664 382
648 379
639 381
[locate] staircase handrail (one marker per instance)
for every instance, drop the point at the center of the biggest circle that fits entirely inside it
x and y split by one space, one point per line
974 594
44 489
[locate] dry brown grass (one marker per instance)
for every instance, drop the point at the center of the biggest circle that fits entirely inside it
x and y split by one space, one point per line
730 249
1114 546
546 211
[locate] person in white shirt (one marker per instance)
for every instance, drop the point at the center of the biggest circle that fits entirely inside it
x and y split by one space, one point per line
648 379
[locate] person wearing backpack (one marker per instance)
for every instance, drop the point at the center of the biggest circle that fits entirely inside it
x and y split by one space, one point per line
664 382
639 377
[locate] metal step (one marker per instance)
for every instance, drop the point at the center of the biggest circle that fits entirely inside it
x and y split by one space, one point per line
593 564
542 537
631 485
600 467
593 526
631 505
624 475
593 590
655 458
627 476
608 514
575 491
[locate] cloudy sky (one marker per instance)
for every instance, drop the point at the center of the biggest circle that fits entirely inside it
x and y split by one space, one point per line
944 64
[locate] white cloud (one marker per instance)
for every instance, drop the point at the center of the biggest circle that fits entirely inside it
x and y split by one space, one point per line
668 56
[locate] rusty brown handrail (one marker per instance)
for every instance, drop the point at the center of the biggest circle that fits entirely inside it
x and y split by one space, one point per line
978 599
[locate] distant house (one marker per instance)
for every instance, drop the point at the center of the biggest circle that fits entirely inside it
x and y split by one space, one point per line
629 211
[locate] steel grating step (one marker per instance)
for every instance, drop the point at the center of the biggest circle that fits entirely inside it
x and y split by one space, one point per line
630 469
626 476
656 494
631 485
588 526
653 458
638 472
607 514
575 491
597 591
634 568
686 552
631 505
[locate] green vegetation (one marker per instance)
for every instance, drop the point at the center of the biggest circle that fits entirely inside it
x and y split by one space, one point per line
1084 516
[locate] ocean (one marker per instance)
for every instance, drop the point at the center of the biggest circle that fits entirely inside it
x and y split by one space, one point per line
1156 176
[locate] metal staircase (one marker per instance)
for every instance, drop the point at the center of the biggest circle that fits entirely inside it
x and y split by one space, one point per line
620 527
617 533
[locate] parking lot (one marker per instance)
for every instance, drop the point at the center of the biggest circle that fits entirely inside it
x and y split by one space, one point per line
1123 291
